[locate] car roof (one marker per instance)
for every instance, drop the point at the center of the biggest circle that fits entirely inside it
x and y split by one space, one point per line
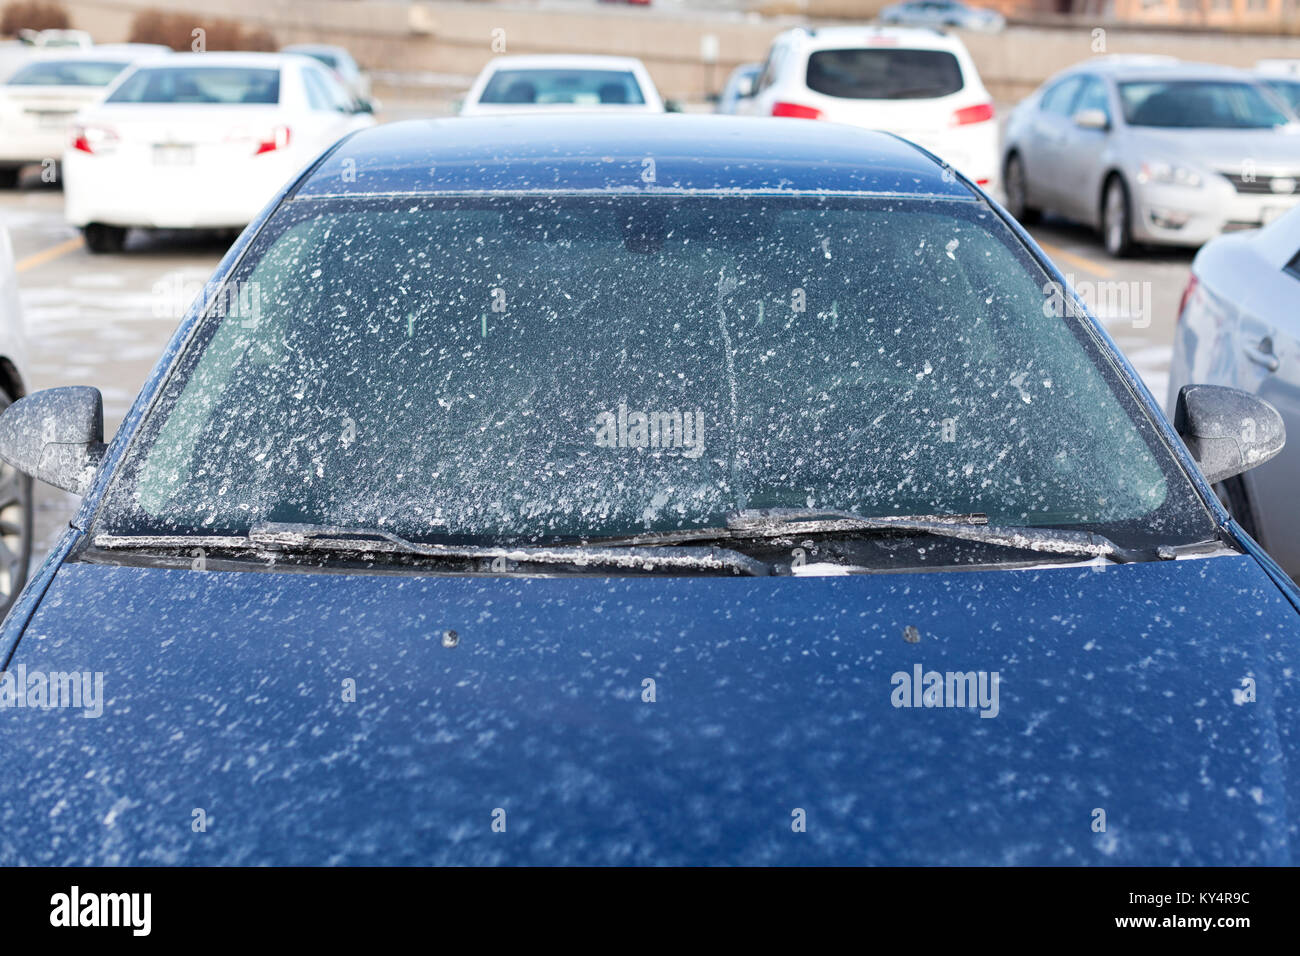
1156 67
264 60
838 38
685 153
566 61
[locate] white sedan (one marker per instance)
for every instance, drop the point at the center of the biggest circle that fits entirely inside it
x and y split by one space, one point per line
39 100
200 141
562 84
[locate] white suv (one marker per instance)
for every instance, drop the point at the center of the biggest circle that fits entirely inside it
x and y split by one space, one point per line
918 83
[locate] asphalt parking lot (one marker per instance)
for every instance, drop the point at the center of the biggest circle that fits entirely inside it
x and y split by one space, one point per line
103 320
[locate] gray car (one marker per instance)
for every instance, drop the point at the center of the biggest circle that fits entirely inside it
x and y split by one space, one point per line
1239 325
1149 150
942 13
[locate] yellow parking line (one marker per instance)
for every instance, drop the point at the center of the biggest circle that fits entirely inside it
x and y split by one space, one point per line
50 254
1076 260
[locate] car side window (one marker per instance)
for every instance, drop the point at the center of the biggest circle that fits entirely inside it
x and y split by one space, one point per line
1092 97
324 90
770 68
317 96
1292 268
1060 98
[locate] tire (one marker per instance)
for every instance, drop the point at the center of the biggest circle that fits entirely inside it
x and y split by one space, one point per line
1232 492
101 238
1017 190
1116 219
9 178
15 528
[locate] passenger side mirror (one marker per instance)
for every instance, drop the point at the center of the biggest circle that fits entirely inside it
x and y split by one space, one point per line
1228 431
56 436
672 106
1092 119
745 87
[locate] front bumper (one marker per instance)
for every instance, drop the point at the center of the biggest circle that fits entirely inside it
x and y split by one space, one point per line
1185 216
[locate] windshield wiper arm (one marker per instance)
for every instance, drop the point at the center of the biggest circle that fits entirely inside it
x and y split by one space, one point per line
273 536
753 524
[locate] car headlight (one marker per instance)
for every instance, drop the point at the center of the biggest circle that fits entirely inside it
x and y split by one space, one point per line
1170 174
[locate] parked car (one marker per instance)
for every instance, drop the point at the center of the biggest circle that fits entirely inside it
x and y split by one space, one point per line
15 487
942 13
1239 325
918 84
199 140
740 84
341 62
1152 151
38 102
562 84
545 513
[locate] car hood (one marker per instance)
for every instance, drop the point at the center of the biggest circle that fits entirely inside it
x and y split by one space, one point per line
1223 150
225 735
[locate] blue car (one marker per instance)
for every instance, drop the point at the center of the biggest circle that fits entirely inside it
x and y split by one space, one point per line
672 490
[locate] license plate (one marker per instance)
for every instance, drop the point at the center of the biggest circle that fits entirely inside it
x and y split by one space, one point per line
170 154
52 120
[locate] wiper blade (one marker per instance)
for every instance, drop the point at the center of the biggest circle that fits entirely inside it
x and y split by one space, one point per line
276 536
751 524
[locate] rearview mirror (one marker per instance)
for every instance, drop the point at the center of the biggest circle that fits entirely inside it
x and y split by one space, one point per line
1228 431
1092 119
56 436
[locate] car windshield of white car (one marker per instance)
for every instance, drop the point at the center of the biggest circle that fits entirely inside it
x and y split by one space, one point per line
1199 104
200 84
576 87
884 74
1289 91
67 73
545 368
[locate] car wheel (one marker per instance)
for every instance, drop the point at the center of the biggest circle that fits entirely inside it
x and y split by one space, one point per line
15 528
9 178
102 238
1017 189
1232 492
1116 219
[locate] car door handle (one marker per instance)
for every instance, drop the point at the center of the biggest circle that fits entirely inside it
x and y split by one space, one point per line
1262 354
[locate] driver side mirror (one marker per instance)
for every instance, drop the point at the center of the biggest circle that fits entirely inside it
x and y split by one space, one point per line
1228 431
56 435
1092 119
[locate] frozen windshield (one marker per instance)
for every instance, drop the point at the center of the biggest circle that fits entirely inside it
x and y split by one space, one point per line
545 368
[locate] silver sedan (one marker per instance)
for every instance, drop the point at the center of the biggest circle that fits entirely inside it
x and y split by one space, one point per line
1150 150
1239 325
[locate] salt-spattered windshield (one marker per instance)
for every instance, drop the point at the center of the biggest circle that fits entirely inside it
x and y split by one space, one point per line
548 368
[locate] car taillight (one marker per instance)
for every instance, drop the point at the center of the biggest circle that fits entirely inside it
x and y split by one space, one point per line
1187 296
796 111
277 138
93 139
972 114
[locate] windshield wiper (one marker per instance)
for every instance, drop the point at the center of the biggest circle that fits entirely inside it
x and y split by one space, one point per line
292 536
756 524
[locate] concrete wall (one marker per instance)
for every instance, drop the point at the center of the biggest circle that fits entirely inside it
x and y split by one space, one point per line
444 43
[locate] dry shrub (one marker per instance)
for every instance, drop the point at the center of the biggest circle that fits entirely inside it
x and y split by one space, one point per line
176 30
32 15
